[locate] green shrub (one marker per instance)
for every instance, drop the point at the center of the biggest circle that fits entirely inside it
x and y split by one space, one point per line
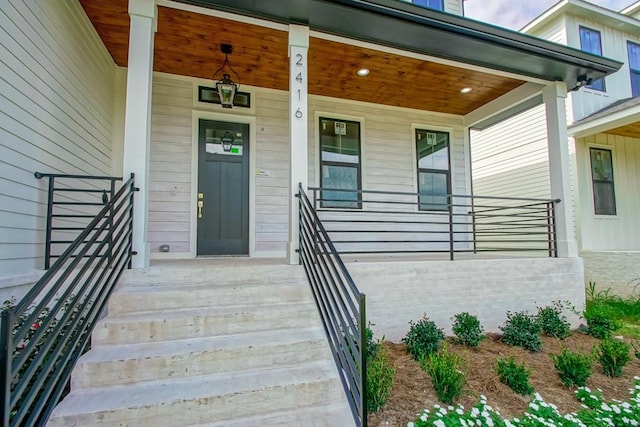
514 375
423 338
636 349
380 374
522 330
573 368
613 355
372 345
553 322
599 323
467 329
446 372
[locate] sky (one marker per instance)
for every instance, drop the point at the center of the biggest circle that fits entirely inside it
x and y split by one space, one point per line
515 14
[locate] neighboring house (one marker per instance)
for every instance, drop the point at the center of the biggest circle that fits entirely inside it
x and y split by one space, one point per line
604 135
107 87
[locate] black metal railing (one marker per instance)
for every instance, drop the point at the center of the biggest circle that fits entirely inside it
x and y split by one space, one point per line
72 202
44 334
385 222
340 303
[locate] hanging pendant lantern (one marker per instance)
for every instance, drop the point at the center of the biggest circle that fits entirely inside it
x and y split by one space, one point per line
226 87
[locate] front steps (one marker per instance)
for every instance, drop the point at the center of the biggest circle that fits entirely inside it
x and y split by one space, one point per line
202 343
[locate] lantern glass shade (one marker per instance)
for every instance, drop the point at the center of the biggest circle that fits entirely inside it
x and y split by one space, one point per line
226 90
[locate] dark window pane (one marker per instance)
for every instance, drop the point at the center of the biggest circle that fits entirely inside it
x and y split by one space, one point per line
633 50
604 198
431 4
343 178
433 150
340 141
432 187
591 42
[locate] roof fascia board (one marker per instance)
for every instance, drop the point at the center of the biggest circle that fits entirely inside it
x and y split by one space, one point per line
583 9
631 9
605 123
429 32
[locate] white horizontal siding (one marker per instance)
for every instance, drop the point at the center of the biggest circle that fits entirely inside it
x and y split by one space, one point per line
605 232
510 159
453 6
56 116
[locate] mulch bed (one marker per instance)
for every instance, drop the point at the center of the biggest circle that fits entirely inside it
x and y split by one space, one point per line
412 389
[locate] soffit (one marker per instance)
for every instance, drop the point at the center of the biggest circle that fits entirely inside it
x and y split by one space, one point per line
188 44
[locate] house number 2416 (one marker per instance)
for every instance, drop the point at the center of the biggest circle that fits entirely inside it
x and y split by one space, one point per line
298 80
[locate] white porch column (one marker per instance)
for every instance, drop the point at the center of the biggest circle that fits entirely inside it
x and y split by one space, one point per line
137 125
298 124
554 97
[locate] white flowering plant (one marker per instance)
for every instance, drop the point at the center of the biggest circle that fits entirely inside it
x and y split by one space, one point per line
595 412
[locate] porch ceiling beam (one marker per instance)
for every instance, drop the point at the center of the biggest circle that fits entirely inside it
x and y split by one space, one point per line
503 106
429 32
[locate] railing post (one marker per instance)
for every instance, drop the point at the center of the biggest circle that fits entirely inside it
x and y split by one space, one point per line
130 244
553 249
110 235
47 246
6 335
363 361
451 249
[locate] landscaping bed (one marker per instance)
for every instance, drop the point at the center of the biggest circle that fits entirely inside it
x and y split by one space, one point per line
413 391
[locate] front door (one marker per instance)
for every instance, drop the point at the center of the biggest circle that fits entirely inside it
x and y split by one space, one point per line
223 188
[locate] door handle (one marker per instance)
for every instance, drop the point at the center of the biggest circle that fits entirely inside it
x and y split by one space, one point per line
200 206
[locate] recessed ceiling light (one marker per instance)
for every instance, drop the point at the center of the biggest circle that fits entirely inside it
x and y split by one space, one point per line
363 72
465 90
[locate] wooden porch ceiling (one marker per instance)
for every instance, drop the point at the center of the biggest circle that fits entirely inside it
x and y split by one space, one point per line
630 131
188 44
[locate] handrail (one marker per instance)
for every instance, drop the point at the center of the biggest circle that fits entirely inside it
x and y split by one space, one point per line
43 335
66 206
341 305
388 222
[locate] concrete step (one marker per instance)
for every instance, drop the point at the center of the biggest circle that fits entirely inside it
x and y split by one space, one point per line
141 298
197 272
203 400
107 365
334 415
132 328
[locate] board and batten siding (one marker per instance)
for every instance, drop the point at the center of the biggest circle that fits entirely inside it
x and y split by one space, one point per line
56 116
611 232
614 45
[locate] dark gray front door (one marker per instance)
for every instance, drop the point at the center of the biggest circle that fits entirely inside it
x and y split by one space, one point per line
223 188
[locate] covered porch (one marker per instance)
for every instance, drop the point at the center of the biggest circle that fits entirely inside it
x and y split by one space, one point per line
305 97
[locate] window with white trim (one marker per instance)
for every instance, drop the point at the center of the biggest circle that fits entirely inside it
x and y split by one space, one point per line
604 197
434 180
590 41
633 50
340 163
431 4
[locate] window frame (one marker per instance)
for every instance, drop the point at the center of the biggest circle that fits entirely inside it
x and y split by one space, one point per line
419 170
595 85
633 71
440 8
321 163
594 181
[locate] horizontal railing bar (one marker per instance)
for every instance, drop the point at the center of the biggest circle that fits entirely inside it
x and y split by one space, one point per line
81 190
401 193
72 216
77 203
91 177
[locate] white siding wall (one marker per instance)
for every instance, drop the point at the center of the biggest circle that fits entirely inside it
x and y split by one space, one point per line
510 159
614 46
170 213
56 115
453 6
388 158
605 232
